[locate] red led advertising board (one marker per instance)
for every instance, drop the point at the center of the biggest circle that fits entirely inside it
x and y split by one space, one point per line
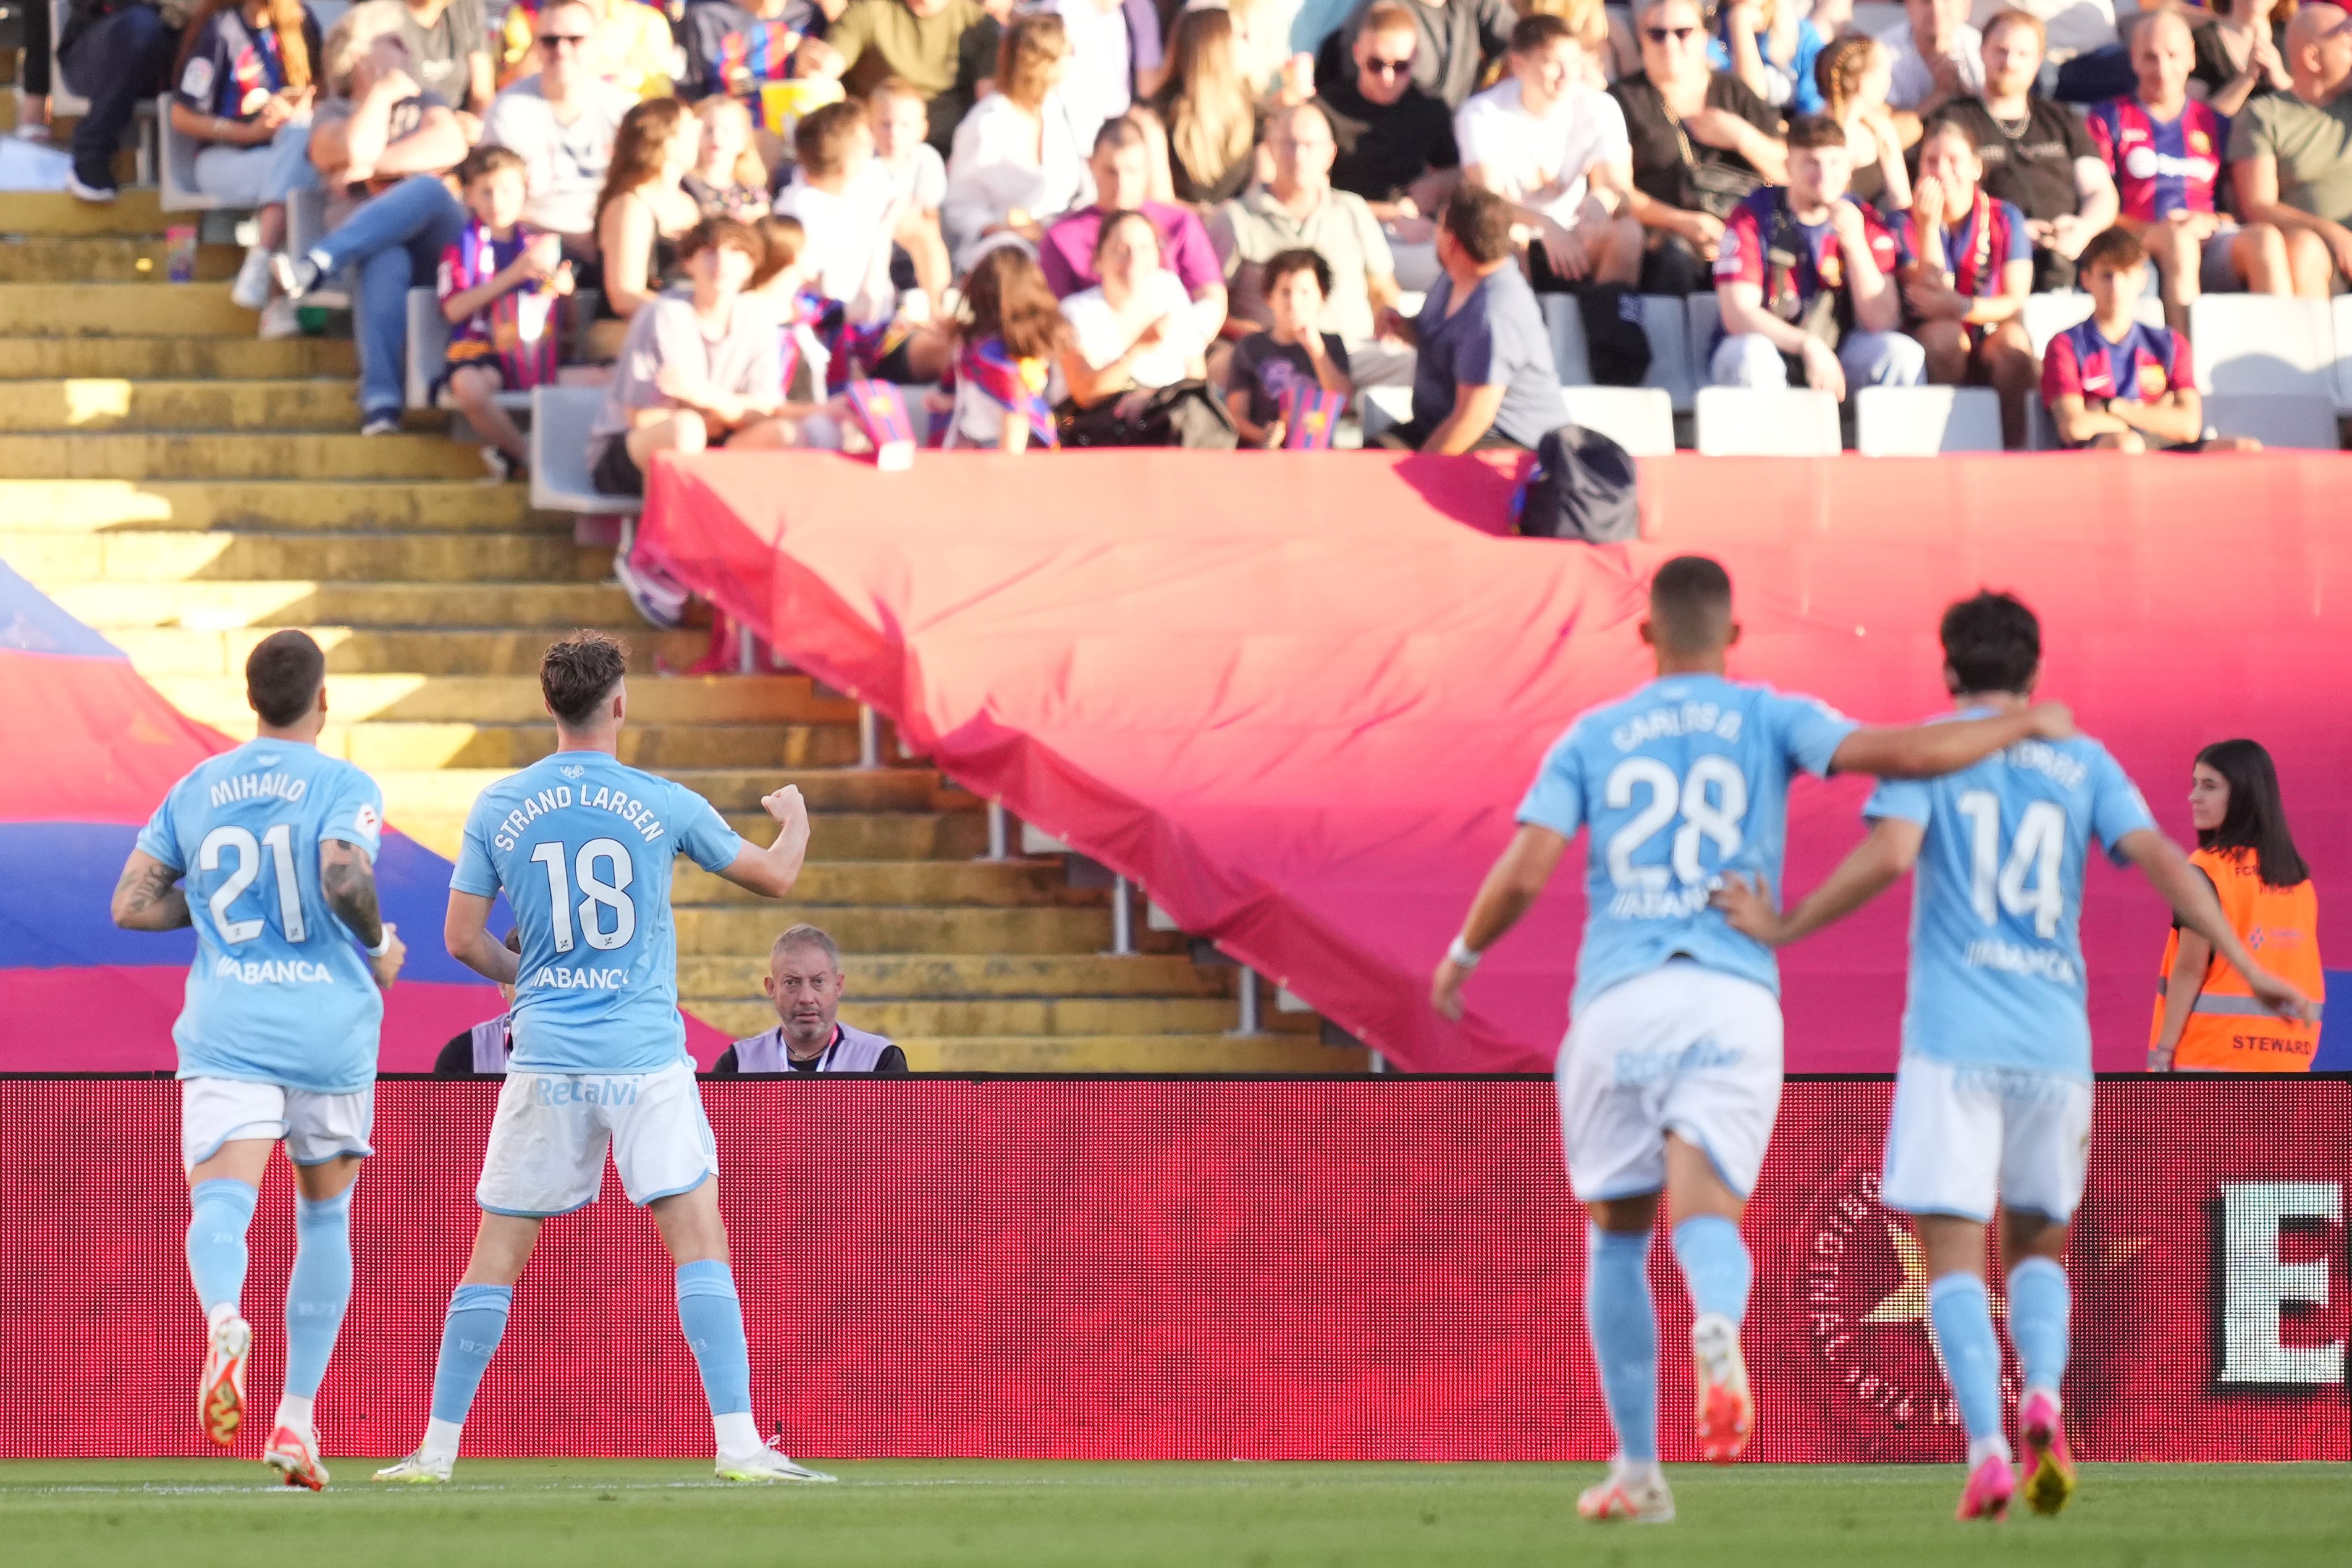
1181 1269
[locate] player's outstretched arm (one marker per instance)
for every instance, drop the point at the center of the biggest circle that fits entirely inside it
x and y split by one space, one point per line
1875 864
773 871
1926 751
1509 891
466 931
2186 889
149 897
347 881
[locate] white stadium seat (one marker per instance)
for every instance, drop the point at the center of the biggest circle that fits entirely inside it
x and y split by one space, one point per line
2264 343
1383 407
2297 420
175 169
2342 346
428 353
2047 315
1777 422
1569 356
1921 421
560 418
1639 418
1666 321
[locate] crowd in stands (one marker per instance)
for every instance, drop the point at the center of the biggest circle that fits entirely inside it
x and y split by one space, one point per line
1102 222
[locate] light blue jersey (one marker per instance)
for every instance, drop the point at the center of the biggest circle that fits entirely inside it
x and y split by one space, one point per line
1997 912
581 844
280 992
1685 780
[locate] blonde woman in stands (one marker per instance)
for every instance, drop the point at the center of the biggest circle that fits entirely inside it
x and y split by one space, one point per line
241 91
643 213
1018 162
1134 332
1209 110
728 180
1854 74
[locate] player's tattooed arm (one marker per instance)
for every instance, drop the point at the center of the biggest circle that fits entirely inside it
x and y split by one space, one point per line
149 897
348 880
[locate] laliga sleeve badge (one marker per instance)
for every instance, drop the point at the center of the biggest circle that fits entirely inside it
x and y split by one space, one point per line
196 81
881 411
1311 417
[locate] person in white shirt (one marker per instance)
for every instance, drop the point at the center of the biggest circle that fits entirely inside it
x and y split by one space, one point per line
1115 53
563 120
1018 161
1937 56
1135 330
847 210
1556 148
919 174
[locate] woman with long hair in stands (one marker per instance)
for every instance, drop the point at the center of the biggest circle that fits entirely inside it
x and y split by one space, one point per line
1018 162
1010 332
2206 1020
643 212
1209 110
1854 74
241 90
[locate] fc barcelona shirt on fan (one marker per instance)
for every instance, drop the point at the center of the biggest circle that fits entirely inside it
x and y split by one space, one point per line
1976 249
2161 166
1740 255
2145 364
728 50
583 845
1996 908
280 992
231 68
1680 783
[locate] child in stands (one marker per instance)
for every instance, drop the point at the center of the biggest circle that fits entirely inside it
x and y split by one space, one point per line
728 179
1297 355
1010 332
2116 383
501 287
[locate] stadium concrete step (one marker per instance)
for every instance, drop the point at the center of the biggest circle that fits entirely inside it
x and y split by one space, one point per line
908 929
137 211
127 258
217 606
296 506
976 884
168 358
447 792
953 976
158 651
124 555
1181 1054
651 746
254 454
120 311
118 402
516 699
1050 1018
881 836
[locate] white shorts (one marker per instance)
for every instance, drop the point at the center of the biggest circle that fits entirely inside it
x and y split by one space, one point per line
317 1127
1962 1136
547 1146
1683 1049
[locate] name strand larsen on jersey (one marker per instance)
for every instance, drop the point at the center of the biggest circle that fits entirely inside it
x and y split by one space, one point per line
636 813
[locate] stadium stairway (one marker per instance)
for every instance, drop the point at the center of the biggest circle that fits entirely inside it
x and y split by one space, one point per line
185 488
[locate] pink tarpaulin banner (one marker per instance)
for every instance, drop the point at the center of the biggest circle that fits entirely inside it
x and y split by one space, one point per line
1297 699
1169 1268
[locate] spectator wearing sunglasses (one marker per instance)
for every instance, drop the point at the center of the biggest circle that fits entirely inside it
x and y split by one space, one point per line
563 119
1395 139
1702 140
1454 42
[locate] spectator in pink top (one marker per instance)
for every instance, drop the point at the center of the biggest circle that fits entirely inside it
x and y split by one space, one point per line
1121 166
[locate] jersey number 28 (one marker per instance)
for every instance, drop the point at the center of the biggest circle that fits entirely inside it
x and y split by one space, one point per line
1705 814
611 893
2028 882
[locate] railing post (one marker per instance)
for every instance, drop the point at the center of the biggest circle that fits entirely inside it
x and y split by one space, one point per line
1248 993
869 738
1122 919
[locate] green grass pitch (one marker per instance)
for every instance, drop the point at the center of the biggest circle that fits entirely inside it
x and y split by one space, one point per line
902 1513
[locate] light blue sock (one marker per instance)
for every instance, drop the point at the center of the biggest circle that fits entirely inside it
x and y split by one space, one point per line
218 1211
319 1291
2040 1303
1962 1315
477 1317
712 1317
1623 1321
1716 1269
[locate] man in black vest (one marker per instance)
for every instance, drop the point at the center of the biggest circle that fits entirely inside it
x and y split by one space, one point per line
803 982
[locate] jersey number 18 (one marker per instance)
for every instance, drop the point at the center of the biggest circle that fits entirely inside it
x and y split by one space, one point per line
611 893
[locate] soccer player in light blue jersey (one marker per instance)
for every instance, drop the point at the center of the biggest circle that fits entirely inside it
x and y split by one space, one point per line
1670 1076
582 848
1993 1100
268 851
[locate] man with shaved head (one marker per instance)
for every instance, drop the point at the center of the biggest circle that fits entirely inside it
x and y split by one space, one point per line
2291 153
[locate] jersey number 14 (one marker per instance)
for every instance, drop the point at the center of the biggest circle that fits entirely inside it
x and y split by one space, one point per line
2027 883
611 893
